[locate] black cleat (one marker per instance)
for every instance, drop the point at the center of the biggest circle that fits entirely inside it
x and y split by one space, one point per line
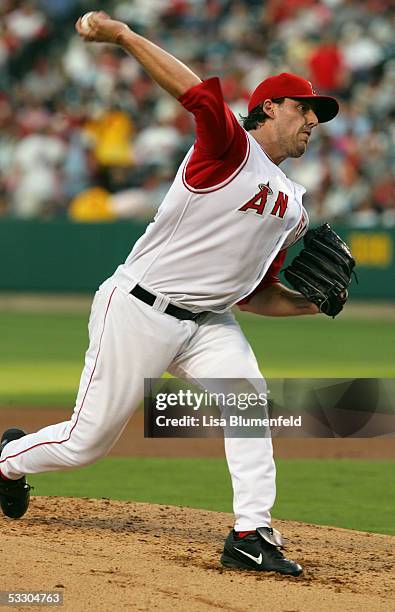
14 494
258 551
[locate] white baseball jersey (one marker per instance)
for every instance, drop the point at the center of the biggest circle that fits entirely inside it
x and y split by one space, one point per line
209 248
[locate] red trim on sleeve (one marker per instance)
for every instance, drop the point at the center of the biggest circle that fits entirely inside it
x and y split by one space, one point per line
270 278
221 143
217 185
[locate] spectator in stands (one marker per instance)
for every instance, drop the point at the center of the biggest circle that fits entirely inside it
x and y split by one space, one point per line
36 173
327 68
112 129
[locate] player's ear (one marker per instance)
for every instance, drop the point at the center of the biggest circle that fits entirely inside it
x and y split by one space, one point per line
268 108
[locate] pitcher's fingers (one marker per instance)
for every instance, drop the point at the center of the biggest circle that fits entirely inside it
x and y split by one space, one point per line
78 25
104 15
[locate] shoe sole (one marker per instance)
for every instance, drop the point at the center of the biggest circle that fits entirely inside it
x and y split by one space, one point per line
10 512
11 431
9 436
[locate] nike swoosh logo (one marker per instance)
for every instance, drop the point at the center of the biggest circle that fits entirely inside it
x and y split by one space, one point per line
257 560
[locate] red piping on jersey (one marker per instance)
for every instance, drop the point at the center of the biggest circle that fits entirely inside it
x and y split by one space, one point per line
224 183
83 401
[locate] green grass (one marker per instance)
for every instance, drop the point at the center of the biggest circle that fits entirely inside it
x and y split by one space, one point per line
345 493
41 358
42 355
322 347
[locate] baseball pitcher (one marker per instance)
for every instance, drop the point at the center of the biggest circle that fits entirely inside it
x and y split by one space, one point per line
219 239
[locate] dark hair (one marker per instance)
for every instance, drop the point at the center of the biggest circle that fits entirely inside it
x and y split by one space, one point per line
257 116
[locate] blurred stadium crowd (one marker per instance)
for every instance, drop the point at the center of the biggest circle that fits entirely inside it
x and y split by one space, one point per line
85 134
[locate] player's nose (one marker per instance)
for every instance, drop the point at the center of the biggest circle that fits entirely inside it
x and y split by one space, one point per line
312 119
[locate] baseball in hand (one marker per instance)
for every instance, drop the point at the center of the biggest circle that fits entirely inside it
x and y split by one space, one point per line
85 21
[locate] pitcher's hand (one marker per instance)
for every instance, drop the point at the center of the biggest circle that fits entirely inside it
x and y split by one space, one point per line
99 27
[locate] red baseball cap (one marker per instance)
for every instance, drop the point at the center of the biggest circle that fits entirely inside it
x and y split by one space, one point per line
286 85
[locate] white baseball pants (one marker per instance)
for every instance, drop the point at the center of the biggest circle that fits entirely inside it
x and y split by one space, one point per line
130 341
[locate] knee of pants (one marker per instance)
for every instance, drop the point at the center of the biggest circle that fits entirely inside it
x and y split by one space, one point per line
84 452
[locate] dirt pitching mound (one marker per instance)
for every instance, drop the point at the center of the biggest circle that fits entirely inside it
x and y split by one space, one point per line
107 555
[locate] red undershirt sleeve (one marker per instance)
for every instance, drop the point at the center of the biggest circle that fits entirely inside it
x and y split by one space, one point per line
221 143
270 278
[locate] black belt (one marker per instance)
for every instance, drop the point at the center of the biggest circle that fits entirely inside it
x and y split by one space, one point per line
180 313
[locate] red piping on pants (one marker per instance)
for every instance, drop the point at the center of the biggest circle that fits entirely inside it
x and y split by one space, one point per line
83 401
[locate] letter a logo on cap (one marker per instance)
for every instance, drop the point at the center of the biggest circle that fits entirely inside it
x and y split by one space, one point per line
312 88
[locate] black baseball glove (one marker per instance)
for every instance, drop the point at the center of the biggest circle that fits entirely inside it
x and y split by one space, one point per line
322 270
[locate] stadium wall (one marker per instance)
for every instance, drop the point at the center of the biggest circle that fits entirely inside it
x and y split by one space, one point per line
59 256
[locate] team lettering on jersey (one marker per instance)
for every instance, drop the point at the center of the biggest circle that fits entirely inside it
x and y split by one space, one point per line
258 202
